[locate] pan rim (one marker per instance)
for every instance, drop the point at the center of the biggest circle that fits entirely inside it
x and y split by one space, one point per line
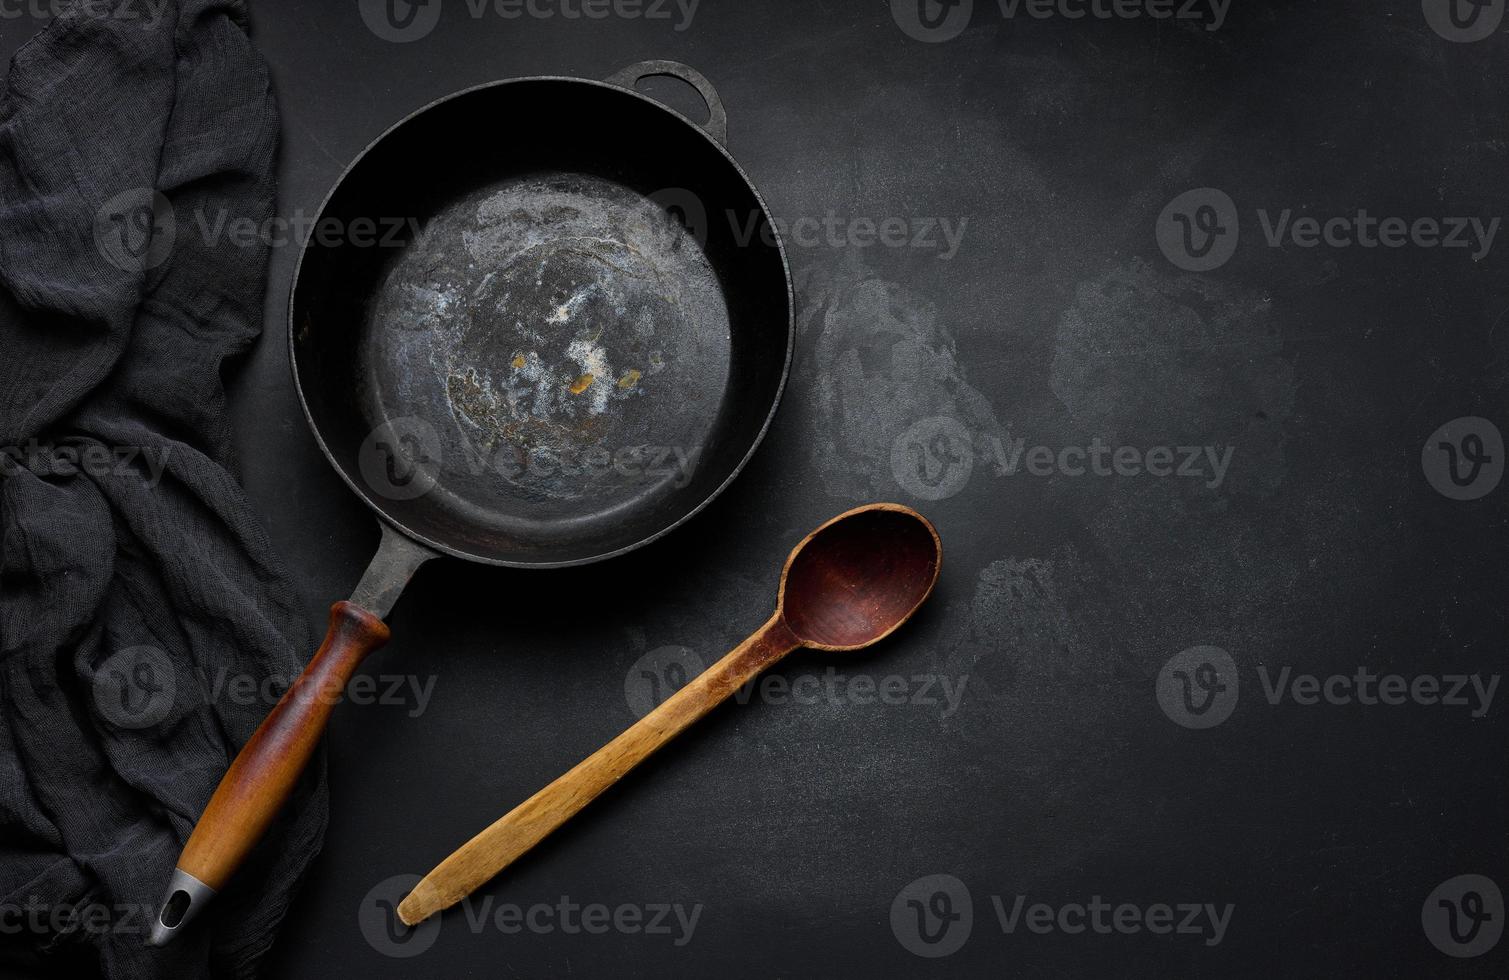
755 443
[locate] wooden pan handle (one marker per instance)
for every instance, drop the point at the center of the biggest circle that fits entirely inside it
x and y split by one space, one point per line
482 857
264 773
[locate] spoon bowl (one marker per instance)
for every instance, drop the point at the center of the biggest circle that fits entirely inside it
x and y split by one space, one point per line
857 578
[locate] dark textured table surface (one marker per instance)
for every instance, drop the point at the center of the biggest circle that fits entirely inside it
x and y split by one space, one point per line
992 252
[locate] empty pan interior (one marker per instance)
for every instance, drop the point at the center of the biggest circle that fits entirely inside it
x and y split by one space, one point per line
541 322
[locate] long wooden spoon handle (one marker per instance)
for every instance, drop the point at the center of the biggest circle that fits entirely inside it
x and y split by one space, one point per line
495 848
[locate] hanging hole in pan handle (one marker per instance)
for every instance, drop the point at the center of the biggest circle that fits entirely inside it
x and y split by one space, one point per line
717 118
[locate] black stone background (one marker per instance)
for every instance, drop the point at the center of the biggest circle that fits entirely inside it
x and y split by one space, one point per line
1058 321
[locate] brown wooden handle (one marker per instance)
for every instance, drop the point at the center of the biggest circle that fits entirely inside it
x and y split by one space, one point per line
264 773
488 853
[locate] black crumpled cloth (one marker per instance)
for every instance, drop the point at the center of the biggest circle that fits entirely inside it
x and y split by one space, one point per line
135 581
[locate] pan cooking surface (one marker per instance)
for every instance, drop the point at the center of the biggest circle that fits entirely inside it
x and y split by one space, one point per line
564 344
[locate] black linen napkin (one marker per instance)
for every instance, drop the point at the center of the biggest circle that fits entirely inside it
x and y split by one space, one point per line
140 601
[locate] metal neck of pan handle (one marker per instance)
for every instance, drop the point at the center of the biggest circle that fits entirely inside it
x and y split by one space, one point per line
398 558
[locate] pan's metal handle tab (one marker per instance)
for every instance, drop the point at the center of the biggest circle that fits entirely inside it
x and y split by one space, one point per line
717 118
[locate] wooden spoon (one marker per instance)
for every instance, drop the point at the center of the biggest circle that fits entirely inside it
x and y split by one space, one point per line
850 583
